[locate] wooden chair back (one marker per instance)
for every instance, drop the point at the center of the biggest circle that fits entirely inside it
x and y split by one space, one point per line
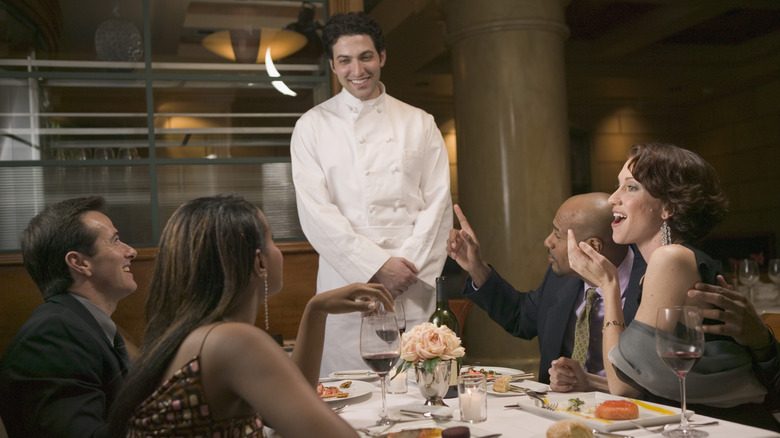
773 321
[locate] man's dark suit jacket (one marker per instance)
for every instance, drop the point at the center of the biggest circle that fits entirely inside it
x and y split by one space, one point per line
60 374
544 312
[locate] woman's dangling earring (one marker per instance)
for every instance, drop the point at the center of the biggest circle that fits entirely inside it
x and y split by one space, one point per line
666 238
265 303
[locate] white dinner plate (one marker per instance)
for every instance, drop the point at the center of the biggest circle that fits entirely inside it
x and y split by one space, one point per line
650 414
357 389
498 371
529 384
365 375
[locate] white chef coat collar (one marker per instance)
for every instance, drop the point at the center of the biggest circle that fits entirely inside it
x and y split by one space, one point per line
357 105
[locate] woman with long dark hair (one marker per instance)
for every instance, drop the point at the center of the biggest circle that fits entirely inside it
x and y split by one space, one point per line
204 368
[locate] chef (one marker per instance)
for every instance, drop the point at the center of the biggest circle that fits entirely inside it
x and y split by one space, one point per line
371 176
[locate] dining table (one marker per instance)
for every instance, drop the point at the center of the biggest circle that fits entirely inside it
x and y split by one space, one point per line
362 413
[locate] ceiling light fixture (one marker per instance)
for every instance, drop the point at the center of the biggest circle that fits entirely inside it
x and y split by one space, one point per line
249 45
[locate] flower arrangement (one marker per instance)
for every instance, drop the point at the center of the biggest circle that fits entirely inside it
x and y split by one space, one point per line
428 344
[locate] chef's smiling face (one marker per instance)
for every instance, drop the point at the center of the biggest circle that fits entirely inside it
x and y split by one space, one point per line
357 65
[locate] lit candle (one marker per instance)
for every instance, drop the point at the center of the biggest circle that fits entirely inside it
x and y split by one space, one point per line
472 403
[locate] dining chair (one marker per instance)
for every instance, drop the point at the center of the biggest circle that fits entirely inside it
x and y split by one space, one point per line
772 320
460 308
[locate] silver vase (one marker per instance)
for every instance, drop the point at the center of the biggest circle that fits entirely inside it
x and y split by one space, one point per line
433 386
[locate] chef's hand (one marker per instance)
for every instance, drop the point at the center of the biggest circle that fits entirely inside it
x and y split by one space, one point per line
397 275
463 247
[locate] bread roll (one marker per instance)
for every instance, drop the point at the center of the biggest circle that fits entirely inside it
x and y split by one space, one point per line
569 429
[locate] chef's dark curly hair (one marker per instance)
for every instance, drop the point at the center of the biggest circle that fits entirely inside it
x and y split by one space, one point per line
688 186
351 23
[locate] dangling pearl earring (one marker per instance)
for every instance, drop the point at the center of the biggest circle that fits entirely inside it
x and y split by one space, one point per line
265 303
665 234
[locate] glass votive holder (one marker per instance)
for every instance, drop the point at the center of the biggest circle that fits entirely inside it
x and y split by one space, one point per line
397 384
472 396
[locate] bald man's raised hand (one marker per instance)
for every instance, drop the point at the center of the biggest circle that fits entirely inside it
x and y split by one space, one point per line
463 247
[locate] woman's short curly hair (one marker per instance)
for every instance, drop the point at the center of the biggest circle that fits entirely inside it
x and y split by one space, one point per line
351 23
688 186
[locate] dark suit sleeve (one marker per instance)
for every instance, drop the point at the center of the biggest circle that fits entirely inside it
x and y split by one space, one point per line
55 381
515 311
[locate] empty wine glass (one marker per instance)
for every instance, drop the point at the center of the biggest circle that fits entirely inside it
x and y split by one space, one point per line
680 344
400 315
747 272
380 349
397 383
128 154
773 270
103 154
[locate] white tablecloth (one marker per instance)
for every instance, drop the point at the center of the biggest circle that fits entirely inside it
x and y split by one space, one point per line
513 423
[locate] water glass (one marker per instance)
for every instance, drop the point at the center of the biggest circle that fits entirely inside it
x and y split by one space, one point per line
472 395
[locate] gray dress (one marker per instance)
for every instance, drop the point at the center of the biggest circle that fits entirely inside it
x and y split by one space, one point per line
723 377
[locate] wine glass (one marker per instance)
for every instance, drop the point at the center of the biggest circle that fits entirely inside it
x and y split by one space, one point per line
747 272
397 382
380 349
679 342
128 154
773 270
400 315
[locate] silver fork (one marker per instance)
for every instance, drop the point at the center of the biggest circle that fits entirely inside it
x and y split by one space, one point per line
340 408
545 405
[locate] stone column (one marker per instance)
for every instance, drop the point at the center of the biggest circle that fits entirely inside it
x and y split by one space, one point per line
512 129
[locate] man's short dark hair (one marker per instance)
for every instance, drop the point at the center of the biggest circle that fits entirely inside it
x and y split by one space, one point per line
351 23
51 234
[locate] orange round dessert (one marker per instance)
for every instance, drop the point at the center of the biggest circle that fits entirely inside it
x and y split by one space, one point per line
617 410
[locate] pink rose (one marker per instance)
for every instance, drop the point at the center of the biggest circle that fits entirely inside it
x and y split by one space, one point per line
428 341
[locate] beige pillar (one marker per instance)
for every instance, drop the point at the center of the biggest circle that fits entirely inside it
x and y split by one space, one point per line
512 129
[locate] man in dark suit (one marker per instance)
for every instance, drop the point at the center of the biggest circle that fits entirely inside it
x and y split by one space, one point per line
66 364
550 312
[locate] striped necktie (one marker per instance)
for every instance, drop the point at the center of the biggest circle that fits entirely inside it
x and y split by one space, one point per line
582 329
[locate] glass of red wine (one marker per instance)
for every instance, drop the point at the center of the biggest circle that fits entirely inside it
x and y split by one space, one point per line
680 344
380 348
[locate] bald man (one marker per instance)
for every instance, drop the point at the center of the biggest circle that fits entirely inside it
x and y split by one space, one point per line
550 312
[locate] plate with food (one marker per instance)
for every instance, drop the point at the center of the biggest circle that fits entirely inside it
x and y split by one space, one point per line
365 375
492 372
343 390
505 386
604 412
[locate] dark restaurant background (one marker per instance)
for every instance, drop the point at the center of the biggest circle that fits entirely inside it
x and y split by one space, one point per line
536 99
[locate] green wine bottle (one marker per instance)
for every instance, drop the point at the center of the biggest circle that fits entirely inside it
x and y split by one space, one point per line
443 316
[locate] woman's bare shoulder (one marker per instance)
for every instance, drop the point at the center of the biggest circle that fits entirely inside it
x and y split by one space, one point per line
673 256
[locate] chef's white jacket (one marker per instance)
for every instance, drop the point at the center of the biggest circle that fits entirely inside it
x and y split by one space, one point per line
372 181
